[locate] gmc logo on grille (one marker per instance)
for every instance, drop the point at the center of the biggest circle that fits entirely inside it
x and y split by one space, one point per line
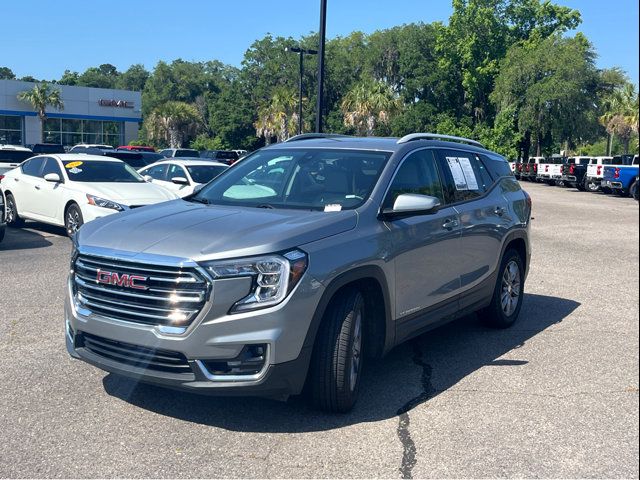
121 279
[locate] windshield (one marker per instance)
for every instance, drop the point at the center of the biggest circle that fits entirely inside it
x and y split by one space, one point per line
303 178
101 171
186 153
205 173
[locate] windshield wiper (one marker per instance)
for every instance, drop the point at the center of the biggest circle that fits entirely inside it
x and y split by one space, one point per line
265 205
199 200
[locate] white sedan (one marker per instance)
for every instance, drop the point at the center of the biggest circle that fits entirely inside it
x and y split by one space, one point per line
72 189
182 176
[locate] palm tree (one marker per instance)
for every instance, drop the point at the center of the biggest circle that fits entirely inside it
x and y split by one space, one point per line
173 123
40 97
278 118
621 115
369 104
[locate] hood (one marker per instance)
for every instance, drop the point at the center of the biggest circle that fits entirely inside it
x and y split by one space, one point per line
128 193
189 230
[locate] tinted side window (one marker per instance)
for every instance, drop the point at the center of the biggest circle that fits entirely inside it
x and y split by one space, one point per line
175 171
497 166
32 167
51 166
157 173
463 175
417 174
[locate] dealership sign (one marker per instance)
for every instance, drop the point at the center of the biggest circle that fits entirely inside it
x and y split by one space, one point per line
115 103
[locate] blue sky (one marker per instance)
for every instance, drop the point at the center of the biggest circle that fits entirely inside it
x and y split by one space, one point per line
45 37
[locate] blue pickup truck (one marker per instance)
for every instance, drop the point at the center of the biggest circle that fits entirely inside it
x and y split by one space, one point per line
621 179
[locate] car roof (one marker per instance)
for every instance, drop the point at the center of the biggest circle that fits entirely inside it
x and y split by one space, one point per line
386 144
81 157
186 162
15 147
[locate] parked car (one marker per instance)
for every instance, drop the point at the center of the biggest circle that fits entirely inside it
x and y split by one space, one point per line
621 178
136 148
228 157
596 177
89 147
14 154
136 160
3 224
594 173
530 168
182 176
179 152
297 262
519 169
574 170
72 189
40 148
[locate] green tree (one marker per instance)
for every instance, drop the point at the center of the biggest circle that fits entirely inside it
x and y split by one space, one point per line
104 76
69 78
40 97
621 117
7 74
548 88
368 105
278 117
173 124
134 78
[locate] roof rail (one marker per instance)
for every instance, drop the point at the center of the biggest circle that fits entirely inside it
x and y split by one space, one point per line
311 136
437 136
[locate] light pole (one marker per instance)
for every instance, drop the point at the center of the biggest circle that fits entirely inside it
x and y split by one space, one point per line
301 53
323 27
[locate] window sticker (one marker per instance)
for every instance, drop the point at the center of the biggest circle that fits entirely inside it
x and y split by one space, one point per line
75 170
463 174
458 174
469 174
71 165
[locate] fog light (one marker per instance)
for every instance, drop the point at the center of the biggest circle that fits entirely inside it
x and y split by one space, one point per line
250 361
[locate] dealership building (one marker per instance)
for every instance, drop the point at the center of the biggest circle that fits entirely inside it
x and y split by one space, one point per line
90 115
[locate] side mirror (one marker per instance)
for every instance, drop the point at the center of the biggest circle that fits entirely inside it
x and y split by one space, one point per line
147 178
52 177
410 204
180 181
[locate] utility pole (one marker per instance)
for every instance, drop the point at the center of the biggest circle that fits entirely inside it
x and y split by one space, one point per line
323 27
301 53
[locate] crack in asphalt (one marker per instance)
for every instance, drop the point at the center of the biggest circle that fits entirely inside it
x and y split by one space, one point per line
409 453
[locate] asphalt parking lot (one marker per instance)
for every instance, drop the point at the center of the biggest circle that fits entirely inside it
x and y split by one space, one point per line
555 396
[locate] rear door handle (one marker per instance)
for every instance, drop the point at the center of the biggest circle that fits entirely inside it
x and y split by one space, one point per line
499 211
450 224
37 187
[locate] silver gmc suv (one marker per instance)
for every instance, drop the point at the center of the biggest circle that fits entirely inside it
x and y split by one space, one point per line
297 264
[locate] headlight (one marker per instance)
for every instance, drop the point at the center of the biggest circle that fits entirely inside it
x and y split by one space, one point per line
273 277
104 203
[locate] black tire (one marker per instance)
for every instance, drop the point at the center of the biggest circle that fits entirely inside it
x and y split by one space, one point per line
580 186
634 190
496 315
590 186
2 230
73 219
336 364
13 219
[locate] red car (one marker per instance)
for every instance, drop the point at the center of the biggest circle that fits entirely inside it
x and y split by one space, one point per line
136 148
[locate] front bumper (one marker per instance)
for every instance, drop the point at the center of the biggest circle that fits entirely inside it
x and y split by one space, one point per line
213 337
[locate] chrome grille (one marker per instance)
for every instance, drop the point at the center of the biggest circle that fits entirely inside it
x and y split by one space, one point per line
170 296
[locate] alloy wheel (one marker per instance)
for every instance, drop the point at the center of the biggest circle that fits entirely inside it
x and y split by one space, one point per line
510 294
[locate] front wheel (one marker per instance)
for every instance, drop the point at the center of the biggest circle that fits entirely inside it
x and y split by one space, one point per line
13 219
73 219
634 190
508 293
336 365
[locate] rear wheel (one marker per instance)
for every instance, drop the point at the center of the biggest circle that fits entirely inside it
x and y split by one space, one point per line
13 219
73 219
336 365
634 190
508 293
580 186
591 186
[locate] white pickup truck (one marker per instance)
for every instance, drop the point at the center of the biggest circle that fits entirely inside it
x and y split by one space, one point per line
550 170
595 172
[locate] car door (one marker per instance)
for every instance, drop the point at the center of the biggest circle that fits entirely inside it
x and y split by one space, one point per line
158 173
425 247
24 186
50 193
483 212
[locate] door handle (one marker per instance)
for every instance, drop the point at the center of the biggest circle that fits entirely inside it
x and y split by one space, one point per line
499 211
37 187
16 180
450 224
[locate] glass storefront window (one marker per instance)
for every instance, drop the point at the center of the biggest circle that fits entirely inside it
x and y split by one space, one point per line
10 130
69 131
